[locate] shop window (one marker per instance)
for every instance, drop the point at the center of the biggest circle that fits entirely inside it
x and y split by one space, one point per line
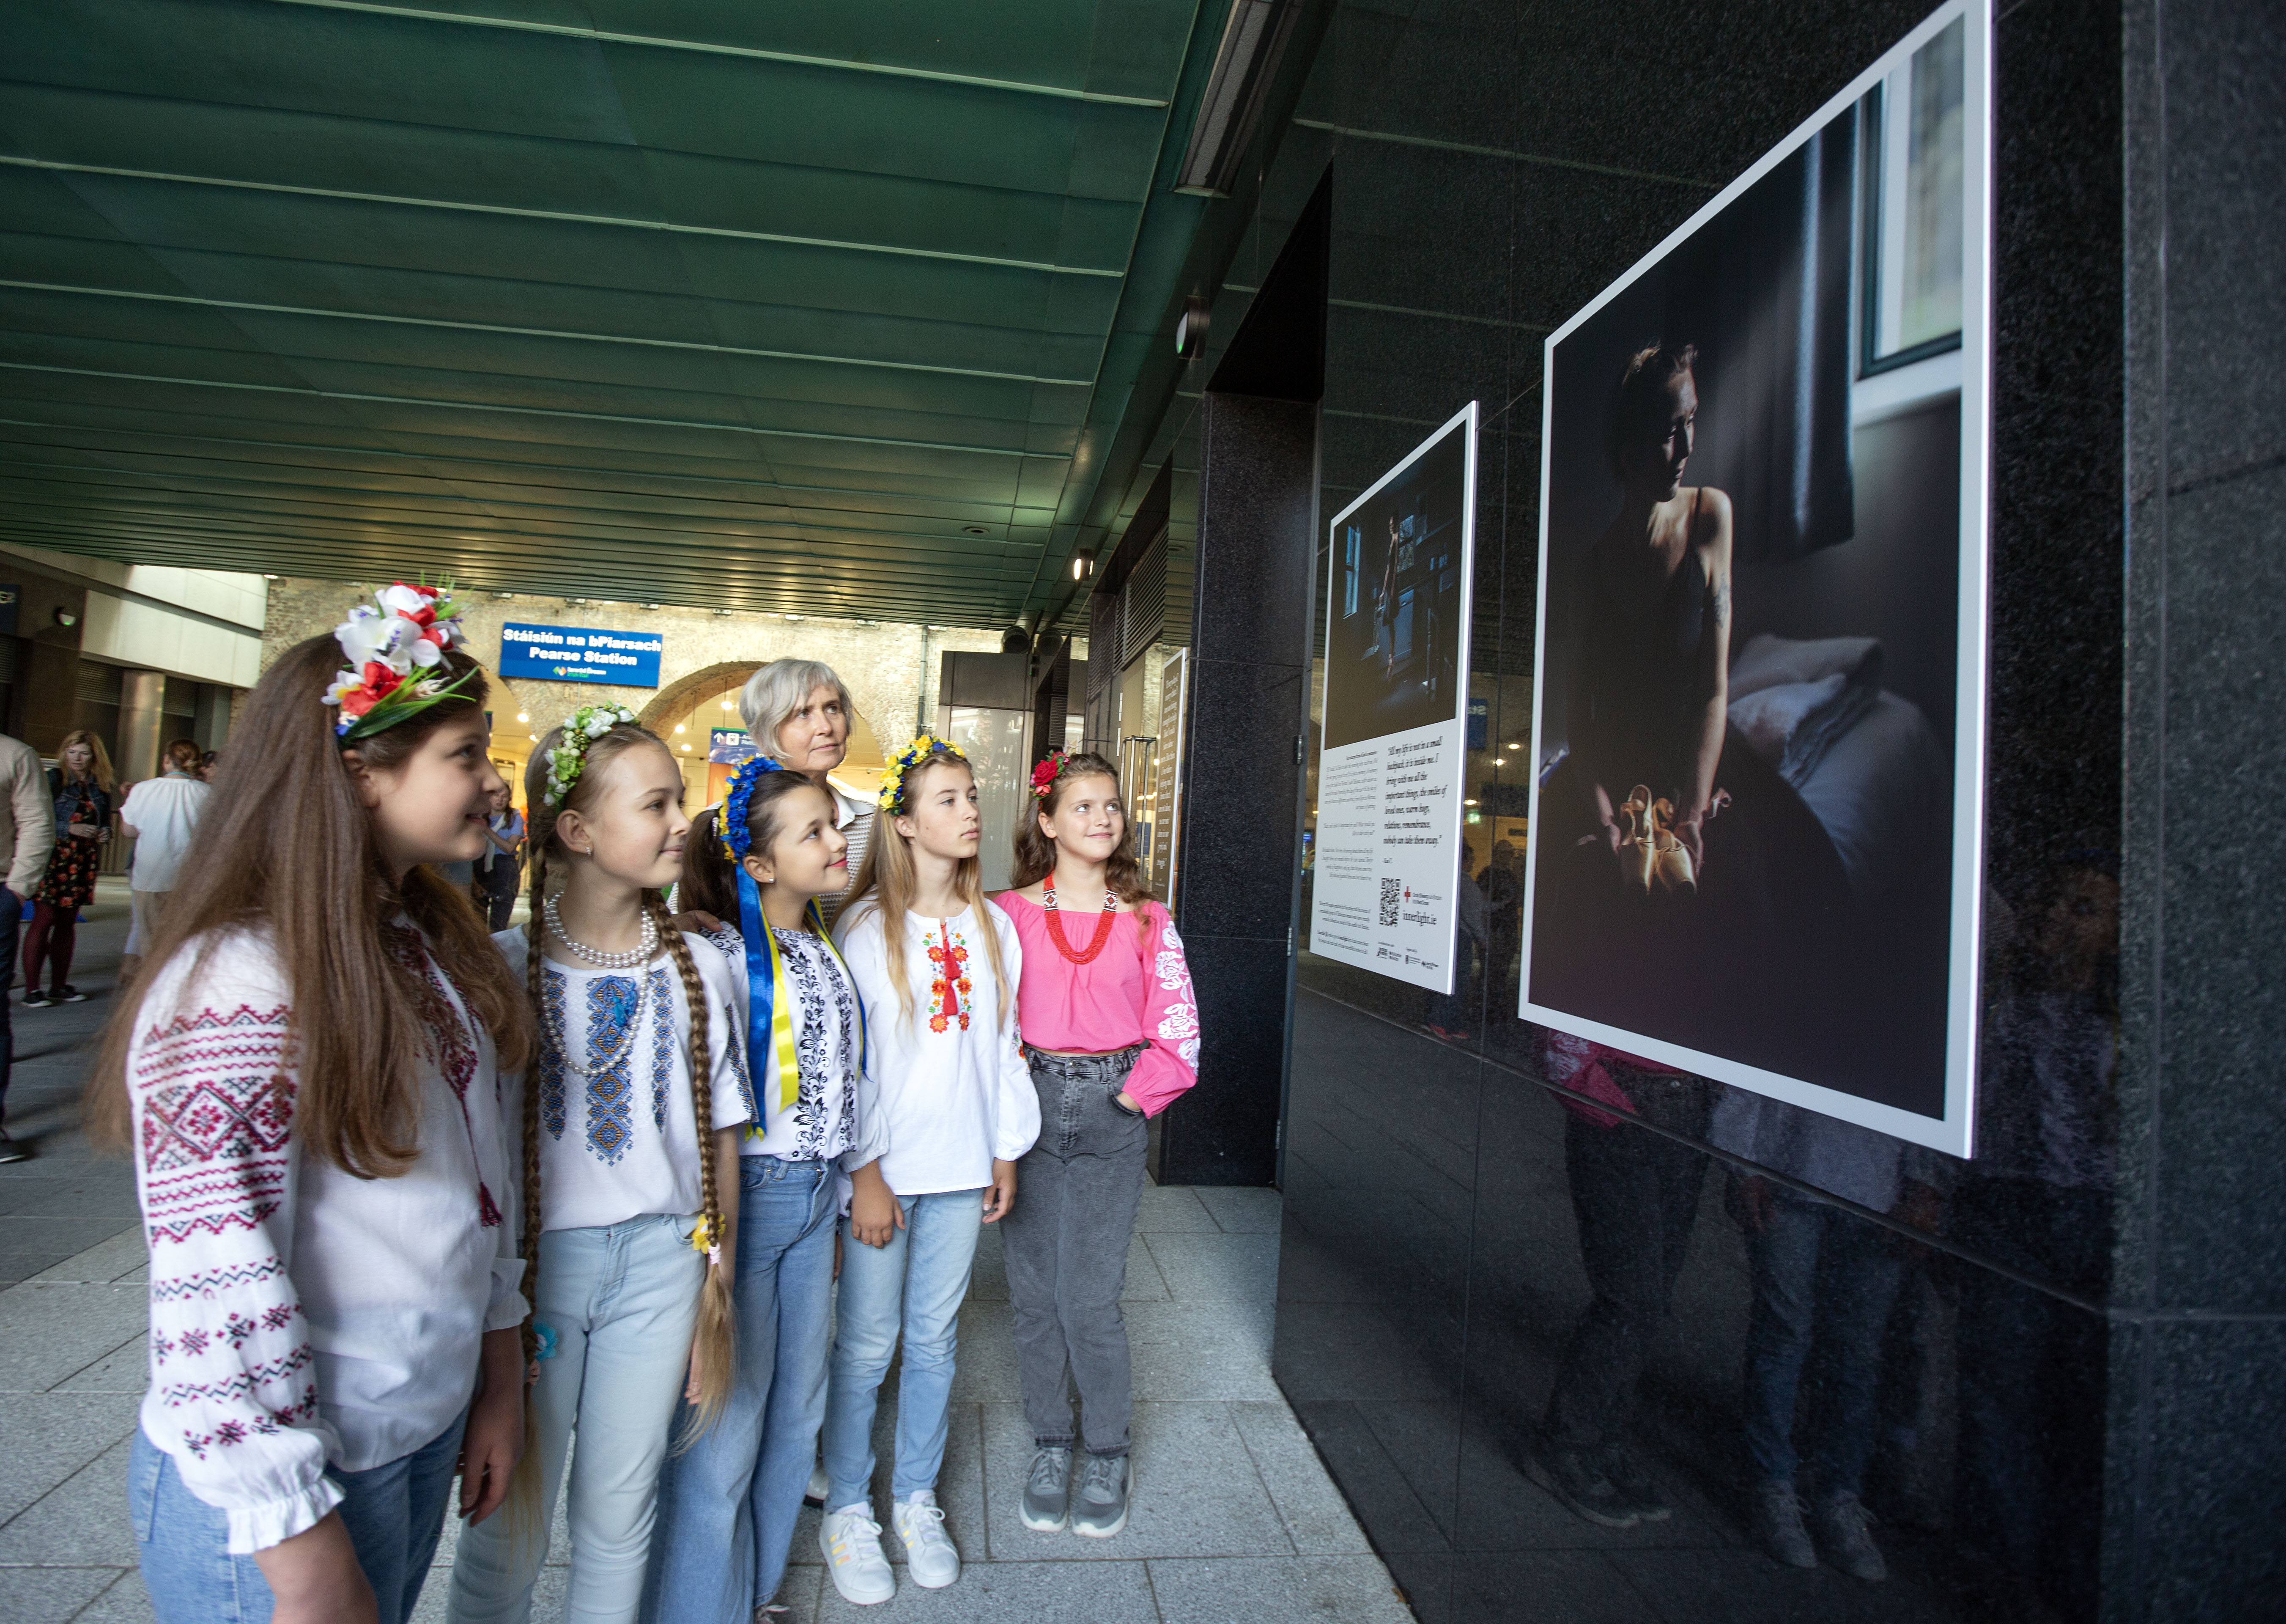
1914 154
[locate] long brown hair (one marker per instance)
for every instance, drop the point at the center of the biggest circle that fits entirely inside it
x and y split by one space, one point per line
290 851
98 768
889 877
1035 854
716 1316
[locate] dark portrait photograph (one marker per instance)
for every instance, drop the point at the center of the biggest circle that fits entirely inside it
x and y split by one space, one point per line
1752 665
1394 633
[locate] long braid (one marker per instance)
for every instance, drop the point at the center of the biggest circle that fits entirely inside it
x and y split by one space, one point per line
523 1507
716 1338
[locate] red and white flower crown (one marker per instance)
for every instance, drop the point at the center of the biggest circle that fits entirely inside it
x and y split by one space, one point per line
406 630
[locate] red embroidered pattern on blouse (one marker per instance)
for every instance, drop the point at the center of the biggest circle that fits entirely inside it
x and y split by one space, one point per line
217 1112
450 1040
950 984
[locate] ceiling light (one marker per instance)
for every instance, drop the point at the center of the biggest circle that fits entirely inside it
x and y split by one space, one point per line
726 613
575 603
1082 565
524 716
267 577
726 704
654 606
1191 327
678 727
504 597
1500 761
1468 803
686 749
792 617
975 530
1253 42
534 737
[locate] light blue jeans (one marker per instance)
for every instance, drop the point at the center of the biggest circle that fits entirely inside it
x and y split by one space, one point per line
618 1305
915 1283
727 1505
393 1513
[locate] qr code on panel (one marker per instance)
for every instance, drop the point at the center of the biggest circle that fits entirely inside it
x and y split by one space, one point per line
1391 891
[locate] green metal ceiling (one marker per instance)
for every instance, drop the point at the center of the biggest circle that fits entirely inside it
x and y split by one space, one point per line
738 302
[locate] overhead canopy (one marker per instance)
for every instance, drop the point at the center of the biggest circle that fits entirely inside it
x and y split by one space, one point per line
757 305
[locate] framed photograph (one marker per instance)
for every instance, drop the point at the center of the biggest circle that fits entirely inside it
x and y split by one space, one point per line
1394 735
1756 811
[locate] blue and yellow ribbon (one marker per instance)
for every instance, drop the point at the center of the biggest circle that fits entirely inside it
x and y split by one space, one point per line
770 1005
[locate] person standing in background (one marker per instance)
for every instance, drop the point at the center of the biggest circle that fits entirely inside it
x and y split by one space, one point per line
798 713
82 788
502 866
27 833
160 815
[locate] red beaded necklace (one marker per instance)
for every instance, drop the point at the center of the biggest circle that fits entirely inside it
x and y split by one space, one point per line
1056 926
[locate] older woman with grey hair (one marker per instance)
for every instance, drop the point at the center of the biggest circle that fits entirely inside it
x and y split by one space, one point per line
798 712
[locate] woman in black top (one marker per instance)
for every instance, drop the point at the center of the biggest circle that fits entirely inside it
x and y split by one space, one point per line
1732 950
83 786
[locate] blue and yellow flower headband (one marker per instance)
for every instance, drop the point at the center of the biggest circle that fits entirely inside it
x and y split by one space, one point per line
730 821
925 747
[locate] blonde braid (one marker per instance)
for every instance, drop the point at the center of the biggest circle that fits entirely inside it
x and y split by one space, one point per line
716 1339
523 1507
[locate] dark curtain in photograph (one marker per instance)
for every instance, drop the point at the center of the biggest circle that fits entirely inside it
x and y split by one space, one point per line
1765 293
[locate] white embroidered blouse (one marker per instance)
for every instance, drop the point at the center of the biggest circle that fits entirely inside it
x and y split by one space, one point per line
833 1115
618 1135
301 1316
953 1085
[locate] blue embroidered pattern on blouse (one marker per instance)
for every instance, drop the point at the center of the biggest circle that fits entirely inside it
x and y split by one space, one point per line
552 1112
612 1007
662 1047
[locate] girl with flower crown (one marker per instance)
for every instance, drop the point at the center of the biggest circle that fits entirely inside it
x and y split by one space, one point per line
631 1125
307 1078
937 965
1111 1030
762 862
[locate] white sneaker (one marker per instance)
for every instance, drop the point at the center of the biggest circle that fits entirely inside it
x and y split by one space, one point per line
929 1554
818 1489
851 1541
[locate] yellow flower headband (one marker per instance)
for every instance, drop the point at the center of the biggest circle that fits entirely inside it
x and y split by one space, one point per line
925 747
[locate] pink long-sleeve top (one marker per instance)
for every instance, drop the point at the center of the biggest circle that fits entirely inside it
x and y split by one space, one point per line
1137 991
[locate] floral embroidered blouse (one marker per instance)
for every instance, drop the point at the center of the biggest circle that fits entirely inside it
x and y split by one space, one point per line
301 1317
828 1119
617 1134
950 1077
1133 991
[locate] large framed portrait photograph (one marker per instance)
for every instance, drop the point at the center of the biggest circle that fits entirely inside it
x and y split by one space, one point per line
1758 717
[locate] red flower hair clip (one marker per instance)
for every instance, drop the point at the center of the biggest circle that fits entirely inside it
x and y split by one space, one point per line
1043 773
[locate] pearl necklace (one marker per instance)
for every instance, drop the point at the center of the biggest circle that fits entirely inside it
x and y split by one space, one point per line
596 957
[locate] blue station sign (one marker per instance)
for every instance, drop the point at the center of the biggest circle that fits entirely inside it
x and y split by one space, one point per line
581 654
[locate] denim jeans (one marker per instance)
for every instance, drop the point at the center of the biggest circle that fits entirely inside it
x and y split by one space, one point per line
1066 1240
1828 1278
915 1283
727 1505
619 1302
393 1514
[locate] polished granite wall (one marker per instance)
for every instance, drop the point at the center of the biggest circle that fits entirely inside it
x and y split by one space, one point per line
2075 1357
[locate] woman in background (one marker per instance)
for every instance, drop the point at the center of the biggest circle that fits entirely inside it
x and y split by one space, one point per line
83 788
798 713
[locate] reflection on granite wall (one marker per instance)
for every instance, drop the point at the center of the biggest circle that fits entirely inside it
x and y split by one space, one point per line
1583 1341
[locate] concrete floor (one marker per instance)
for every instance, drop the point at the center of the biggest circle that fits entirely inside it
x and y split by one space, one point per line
1235 1516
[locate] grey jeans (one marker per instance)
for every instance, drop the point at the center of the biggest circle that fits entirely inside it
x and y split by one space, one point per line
1066 1244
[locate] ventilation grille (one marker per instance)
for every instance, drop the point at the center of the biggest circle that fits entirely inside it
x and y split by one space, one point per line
1103 652
97 683
1143 603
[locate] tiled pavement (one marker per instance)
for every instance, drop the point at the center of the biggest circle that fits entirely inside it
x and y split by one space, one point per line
1235 1516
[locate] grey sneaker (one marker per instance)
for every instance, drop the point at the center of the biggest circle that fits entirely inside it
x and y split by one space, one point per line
1636 1491
1047 1496
1099 1509
1778 1525
10 1150
1840 1524
1577 1480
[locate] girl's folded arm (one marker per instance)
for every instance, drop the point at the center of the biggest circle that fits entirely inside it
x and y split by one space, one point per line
212 1087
